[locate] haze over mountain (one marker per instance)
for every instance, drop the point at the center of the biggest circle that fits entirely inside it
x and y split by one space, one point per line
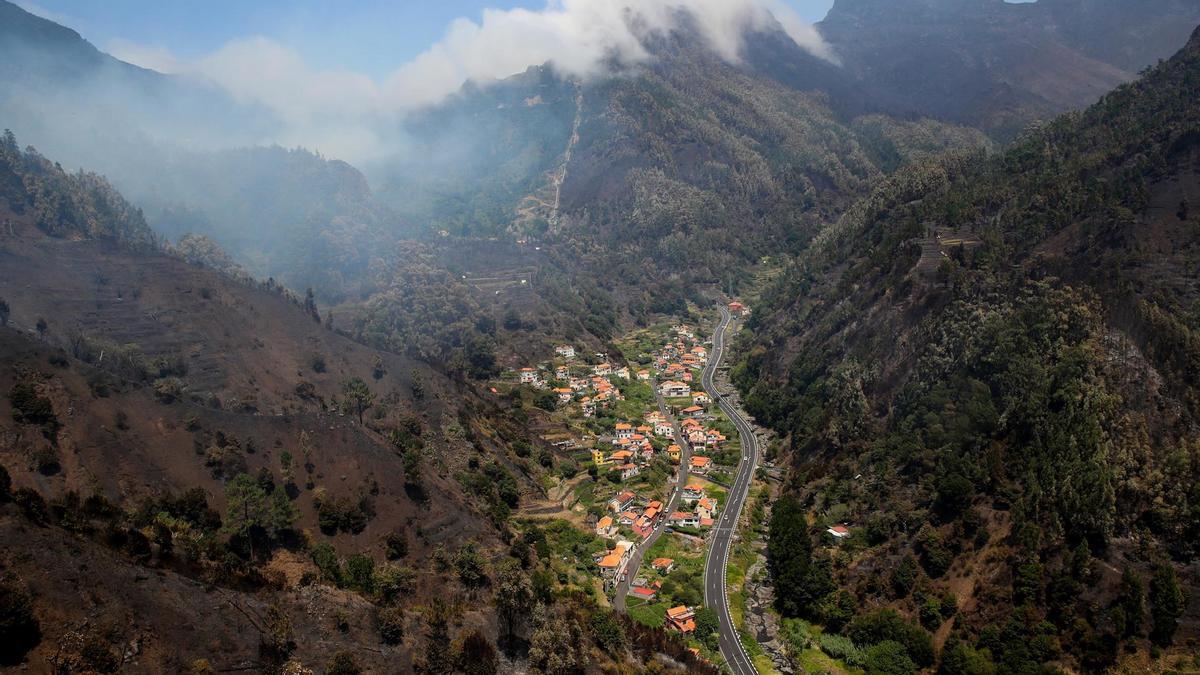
305 369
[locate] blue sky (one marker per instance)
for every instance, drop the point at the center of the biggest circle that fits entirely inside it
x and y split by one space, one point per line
367 36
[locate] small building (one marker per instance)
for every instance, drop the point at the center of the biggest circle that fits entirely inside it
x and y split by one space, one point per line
622 373
737 308
701 465
528 376
701 398
684 519
706 507
682 619
623 430
562 373
622 502
602 370
565 351
674 452
663 565
673 389
693 492
606 527
663 429
564 394
616 558
599 459
643 376
693 411
628 471
839 532
644 592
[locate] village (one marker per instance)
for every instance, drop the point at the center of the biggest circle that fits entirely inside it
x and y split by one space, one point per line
648 433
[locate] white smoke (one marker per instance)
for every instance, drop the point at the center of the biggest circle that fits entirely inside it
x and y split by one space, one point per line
346 113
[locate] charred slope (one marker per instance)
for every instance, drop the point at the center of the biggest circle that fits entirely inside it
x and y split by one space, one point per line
196 460
988 368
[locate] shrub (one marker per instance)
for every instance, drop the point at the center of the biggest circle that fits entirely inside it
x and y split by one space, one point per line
842 648
326 560
342 663
396 545
360 573
886 624
391 625
889 658
30 407
19 628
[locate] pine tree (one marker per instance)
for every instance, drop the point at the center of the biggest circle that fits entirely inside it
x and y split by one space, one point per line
1166 604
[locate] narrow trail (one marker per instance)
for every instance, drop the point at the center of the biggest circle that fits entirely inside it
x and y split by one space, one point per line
547 200
560 175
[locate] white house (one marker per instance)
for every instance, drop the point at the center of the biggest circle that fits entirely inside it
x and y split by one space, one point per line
663 429
673 389
528 376
565 351
628 471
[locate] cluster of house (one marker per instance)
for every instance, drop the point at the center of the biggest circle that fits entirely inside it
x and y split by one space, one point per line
675 362
704 508
641 517
591 385
627 510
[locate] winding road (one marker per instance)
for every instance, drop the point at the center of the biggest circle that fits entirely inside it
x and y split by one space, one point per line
724 534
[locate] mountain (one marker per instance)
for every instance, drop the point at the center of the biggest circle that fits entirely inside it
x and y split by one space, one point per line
998 65
988 367
172 144
195 473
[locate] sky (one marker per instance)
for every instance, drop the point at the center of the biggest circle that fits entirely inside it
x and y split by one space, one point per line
371 37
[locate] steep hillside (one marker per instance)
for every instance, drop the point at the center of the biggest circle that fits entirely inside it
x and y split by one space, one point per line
987 368
195 468
997 65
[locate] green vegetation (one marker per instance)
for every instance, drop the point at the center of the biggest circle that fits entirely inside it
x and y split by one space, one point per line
990 394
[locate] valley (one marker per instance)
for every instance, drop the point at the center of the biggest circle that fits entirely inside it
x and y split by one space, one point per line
657 337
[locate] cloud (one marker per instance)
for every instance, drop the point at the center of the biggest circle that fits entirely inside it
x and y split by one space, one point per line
578 37
349 114
152 57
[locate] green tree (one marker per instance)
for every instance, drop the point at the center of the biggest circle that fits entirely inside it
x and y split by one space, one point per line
250 511
707 626
960 658
1167 604
889 658
360 573
513 595
607 631
359 395
326 560
470 566
1131 601
800 582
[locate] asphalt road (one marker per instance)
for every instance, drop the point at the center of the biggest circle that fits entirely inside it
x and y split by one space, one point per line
671 504
724 533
